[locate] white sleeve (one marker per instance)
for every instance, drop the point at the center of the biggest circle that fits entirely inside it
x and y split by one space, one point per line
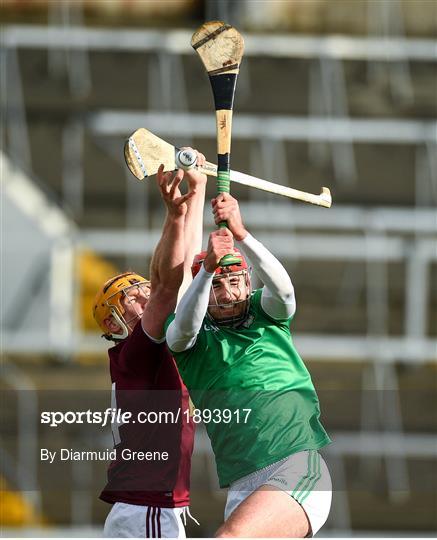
277 298
182 331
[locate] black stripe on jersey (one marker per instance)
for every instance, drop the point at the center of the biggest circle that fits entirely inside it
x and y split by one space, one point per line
223 162
223 87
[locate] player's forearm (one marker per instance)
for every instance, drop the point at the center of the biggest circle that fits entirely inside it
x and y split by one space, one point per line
182 332
193 232
168 259
194 224
278 296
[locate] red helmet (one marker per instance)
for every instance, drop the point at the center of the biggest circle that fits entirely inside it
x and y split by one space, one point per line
200 257
240 307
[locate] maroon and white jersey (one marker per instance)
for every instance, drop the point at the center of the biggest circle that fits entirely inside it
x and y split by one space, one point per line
145 380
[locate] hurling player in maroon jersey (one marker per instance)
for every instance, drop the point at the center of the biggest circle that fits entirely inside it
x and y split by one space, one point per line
150 492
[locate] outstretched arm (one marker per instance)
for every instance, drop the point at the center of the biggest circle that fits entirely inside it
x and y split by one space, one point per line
193 220
166 269
183 330
277 298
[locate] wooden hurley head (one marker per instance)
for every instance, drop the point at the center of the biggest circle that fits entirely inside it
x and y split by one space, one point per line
220 47
144 153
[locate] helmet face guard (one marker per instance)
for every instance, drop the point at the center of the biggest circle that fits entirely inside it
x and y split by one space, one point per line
119 315
237 306
109 303
228 273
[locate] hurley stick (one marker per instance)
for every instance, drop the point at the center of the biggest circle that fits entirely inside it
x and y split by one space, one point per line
144 152
220 47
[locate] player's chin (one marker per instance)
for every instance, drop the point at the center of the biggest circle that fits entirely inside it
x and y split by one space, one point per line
225 313
219 312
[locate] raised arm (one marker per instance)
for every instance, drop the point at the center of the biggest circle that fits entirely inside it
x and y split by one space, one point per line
277 298
166 269
193 220
183 330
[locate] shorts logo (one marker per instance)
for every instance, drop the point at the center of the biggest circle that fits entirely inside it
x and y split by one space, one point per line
279 480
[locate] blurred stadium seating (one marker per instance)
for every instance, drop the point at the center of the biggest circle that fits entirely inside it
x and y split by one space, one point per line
335 93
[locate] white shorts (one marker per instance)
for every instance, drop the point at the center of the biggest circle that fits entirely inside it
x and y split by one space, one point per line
134 521
304 476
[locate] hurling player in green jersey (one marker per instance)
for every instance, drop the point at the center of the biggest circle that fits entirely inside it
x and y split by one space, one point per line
235 353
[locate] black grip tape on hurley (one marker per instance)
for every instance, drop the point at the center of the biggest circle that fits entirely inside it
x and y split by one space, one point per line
223 162
223 87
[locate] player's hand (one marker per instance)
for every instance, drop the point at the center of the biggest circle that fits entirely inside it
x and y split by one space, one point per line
193 176
169 186
220 243
225 208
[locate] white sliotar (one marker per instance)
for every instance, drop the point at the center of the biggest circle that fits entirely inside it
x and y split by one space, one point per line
186 159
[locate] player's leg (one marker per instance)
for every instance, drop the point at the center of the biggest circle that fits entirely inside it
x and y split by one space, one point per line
291 497
268 512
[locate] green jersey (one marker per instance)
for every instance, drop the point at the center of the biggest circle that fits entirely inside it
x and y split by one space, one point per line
253 369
